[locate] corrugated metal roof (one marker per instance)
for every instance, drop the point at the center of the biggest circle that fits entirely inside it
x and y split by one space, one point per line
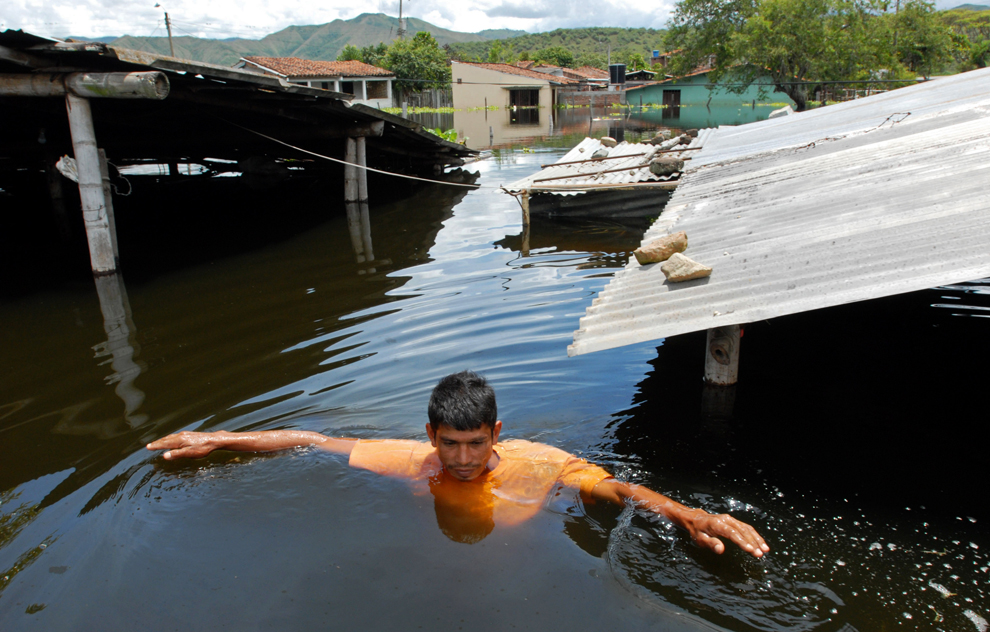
874 197
626 163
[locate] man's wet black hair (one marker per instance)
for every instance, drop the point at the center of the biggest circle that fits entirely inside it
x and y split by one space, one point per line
463 401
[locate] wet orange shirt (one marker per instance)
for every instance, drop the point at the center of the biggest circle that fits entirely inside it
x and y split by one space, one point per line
514 491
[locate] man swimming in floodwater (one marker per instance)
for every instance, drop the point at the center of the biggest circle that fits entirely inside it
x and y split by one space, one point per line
476 481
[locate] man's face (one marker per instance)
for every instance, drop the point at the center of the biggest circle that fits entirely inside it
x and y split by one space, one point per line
464 454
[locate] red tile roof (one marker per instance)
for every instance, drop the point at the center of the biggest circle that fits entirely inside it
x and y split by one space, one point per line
520 72
296 67
586 72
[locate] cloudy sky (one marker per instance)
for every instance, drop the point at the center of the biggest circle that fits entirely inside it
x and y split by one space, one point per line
257 18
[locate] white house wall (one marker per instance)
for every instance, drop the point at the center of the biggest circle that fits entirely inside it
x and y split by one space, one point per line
475 87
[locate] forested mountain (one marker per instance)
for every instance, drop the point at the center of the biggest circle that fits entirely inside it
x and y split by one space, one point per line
581 42
320 42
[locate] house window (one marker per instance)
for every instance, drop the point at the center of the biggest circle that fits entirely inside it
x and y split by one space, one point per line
524 98
347 87
377 89
326 85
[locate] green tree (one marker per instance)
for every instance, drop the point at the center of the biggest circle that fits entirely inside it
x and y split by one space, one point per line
495 52
632 59
374 54
798 43
418 63
556 55
923 39
594 60
350 53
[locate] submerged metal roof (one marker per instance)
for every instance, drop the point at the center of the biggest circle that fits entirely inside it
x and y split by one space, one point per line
859 200
626 163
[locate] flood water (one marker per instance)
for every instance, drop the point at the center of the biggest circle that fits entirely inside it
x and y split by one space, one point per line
856 442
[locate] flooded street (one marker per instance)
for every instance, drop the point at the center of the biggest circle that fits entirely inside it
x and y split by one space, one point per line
856 443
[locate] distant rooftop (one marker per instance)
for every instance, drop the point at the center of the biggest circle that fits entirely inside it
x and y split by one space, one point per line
519 72
292 67
586 72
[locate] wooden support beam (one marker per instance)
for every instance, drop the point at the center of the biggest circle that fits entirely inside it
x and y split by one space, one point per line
90 85
108 201
101 251
722 355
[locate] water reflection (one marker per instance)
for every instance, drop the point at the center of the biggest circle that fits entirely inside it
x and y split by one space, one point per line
120 345
359 227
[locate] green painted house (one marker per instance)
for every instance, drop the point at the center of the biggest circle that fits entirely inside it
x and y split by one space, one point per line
697 89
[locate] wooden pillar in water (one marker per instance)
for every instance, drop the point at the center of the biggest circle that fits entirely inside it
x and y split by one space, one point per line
362 174
722 356
108 201
97 222
351 195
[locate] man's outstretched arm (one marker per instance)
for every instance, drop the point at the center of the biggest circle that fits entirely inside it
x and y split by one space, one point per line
704 528
195 445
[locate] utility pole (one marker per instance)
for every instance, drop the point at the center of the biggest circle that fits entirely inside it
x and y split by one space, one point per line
168 27
402 23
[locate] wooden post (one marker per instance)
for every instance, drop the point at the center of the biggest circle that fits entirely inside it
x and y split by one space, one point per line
525 207
101 251
108 201
351 187
58 201
722 356
362 172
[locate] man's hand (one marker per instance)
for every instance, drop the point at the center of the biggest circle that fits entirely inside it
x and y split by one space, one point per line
704 528
188 445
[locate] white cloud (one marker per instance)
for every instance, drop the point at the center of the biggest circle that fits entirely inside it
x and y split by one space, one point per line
255 19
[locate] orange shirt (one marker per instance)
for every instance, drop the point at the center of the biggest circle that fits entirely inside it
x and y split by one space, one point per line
513 492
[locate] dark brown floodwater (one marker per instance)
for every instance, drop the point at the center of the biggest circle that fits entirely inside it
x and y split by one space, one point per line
866 469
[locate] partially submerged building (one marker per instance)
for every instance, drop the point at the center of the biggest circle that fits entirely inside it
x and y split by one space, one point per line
697 88
477 85
369 85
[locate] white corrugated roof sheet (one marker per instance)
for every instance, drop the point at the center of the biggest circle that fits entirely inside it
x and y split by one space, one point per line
859 200
626 163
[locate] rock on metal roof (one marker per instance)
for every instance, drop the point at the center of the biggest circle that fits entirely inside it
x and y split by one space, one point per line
859 200
519 72
626 163
296 67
